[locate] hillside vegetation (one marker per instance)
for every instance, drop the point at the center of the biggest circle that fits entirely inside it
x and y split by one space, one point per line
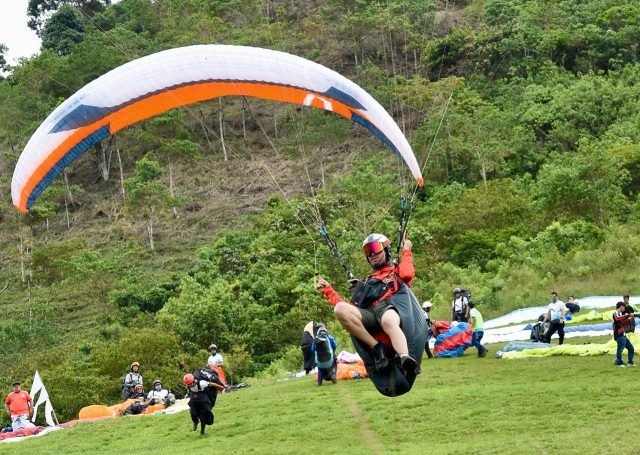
161 240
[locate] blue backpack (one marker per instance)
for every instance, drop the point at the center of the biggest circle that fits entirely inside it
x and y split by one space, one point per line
324 353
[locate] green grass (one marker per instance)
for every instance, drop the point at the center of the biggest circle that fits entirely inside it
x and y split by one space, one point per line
457 406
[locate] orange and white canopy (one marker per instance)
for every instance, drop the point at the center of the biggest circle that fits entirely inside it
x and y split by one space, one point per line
154 84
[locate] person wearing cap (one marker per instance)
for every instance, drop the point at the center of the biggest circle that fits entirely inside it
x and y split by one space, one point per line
159 395
621 320
459 306
215 358
131 380
370 310
426 307
19 406
216 362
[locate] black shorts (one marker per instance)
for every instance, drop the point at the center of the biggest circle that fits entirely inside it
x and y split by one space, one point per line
372 317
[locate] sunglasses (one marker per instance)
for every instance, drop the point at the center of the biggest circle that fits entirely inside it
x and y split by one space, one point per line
373 248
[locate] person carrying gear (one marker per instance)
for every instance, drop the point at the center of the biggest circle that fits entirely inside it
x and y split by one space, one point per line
324 350
215 358
202 389
159 395
216 362
370 309
426 307
131 380
460 306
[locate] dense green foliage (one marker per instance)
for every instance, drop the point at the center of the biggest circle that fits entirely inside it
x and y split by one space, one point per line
161 240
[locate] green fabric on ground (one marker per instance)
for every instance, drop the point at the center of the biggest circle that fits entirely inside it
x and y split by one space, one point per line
573 349
593 315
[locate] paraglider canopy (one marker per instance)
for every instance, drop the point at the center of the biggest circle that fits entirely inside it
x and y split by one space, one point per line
154 84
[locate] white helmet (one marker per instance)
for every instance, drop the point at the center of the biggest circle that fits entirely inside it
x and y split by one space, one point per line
426 304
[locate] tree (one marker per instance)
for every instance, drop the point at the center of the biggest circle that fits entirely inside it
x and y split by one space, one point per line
146 193
39 10
3 60
63 31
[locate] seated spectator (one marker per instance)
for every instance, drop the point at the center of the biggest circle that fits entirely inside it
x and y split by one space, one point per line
572 304
160 395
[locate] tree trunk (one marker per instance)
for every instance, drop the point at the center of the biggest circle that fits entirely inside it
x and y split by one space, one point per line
224 146
203 124
66 184
275 122
66 211
121 171
102 158
150 232
244 123
175 212
22 267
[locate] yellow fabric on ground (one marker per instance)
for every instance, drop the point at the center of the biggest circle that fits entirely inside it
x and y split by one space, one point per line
573 349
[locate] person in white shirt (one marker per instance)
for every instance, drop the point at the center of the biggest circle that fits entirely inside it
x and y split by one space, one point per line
426 307
158 395
459 306
215 358
556 314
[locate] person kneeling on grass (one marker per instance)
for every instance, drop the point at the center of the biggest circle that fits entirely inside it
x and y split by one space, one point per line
621 319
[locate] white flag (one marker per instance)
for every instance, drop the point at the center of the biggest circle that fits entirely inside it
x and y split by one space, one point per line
38 386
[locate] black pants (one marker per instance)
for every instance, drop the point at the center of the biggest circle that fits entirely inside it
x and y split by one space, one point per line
556 326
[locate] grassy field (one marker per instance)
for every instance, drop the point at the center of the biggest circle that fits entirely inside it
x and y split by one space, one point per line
466 405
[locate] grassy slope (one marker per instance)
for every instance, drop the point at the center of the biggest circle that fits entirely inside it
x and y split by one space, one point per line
465 405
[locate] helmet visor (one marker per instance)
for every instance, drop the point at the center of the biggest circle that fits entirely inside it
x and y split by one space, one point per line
373 248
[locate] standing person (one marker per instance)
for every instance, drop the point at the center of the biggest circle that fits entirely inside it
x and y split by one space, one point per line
308 359
556 314
620 320
215 358
370 308
216 362
426 306
324 349
19 406
459 306
131 380
629 308
477 324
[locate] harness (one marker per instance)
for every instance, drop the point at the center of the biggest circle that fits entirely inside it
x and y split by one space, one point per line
372 290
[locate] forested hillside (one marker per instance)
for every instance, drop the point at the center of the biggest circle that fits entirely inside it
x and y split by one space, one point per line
199 225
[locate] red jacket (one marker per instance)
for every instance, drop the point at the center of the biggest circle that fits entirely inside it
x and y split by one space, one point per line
404 271
620 321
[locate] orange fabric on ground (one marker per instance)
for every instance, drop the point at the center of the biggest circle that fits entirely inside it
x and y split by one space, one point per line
96 410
